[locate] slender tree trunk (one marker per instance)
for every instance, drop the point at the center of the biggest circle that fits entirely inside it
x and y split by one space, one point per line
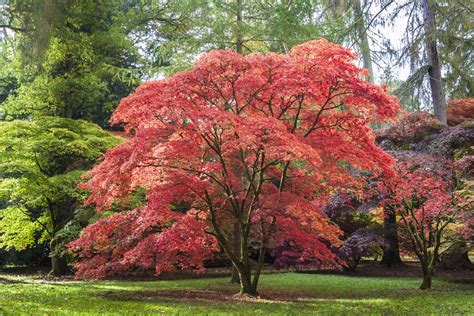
426 284
434 72
391 254
258 268
4 36
235 278
239 45
363 39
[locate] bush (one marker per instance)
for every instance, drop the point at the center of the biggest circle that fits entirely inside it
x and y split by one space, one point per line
460 111
362 243
411 128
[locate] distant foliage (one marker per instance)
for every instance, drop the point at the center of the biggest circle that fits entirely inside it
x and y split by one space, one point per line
363 242
460 111
465 167
73 60
412 127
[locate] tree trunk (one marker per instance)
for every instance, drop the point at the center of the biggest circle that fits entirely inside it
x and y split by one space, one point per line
427 275
391 253
434 72
239 46
246 286
426 284
364 45
59 266
235 278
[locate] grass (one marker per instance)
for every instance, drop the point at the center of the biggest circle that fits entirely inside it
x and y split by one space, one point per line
283 293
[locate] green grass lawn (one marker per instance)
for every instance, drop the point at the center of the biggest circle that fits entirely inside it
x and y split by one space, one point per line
283 293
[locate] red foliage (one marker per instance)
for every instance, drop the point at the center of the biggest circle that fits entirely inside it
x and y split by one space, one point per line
260 141
412 127
460 111
121 244
423 194
427 180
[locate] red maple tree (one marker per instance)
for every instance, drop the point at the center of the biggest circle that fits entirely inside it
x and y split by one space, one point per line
422 193
258 142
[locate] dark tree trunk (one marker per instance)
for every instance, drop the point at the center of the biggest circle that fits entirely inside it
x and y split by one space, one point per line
427 276
60 214
434 72
391 254
59 266
235 278
364 45
246 287
426 284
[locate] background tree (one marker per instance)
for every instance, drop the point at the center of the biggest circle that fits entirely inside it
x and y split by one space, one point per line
87 56
435 30
362 230
8 82
244 27
354 27
391 250
41 164
77 70
434 70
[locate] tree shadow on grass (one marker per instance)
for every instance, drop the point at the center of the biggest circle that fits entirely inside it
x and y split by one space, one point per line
184 295
224 300
225 293
11 281
462 281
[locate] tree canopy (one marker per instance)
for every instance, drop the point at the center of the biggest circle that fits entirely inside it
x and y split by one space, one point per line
41 163
260 141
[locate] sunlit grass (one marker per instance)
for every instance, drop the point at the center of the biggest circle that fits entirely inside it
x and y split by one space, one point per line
282 293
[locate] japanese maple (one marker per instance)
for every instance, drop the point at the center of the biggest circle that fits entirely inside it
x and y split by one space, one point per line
411 128
422 195
257 141
362 242
460 111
